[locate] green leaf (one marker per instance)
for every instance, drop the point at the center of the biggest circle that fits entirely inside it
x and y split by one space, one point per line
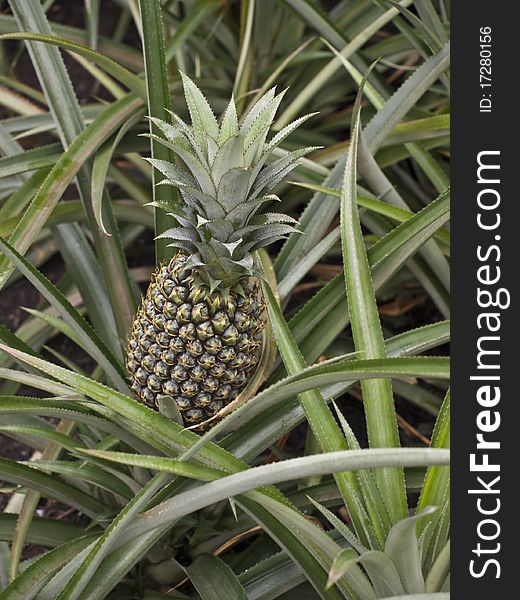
340 566
327 433
84 267
121 53
50 487
382 573
326 28
33 159
434 489
36 381
213 579
83 573
157 463
395 213
35 217
146 423
436 492
90 340
29 583
269 425
400 103
341 370
440 570
87 473
196 15
402 547
22 196
366 329
389 253
159 104
439 596
55 82
62 409
123 75
100 168
42 531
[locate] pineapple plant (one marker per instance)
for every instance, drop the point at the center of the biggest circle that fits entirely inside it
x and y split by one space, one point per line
198 334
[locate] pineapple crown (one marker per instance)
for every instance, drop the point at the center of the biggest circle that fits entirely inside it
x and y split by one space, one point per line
224 176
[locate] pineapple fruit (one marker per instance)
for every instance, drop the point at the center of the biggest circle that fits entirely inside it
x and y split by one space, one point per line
197 336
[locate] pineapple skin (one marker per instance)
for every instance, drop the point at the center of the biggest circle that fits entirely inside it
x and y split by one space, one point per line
197 347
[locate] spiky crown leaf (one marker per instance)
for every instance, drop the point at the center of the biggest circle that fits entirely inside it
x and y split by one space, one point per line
224 177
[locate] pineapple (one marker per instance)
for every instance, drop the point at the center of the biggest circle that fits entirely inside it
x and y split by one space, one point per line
197 336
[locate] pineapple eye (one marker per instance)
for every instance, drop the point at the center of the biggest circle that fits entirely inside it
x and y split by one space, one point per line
141 375
167 287
189 388
154 383
179 373
213 345
241 379
241 361
222 393
230 336
186 360
195 347
242 321
183 403
230 376
205 330
145 344
210 384
207 361
159 301
149 309
132 365
243 342
147 396
155 350
198 373
255 343
214 407
170 388
161 370
172 327
179 294
194 415
218 370
176 345
159 321
150 332
188 332
170 310
184 313
202 400
226 354
246 304
256 325
148 362
163 339
200 312
220 321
